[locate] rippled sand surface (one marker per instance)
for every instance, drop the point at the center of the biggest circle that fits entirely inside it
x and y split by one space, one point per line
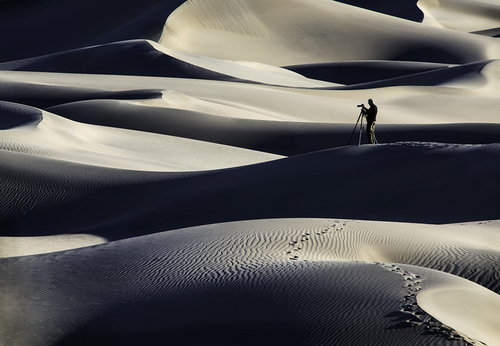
193 173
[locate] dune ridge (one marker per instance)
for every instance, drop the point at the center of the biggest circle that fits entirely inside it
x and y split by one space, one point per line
122 202
461 15
194 173
63 139
227 16
262 248
330 22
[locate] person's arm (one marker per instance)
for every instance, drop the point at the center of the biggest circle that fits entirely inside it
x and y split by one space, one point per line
365 110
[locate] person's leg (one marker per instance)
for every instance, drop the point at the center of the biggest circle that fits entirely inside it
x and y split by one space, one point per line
371 133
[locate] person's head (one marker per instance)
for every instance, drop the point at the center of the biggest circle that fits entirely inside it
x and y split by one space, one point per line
370 102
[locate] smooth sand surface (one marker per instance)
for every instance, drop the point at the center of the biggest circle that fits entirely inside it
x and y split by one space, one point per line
63 139
267 32
469 309
25 246
194 173
467 16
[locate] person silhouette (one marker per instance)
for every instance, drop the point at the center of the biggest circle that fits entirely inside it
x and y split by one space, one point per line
371 117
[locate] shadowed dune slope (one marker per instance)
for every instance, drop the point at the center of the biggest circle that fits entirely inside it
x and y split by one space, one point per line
469 96
278 137
44 27
441 76
460 15
291 32
43 96
216 303
187 173
62 139
355 72
135 57
13 115
446 183
147 58
216 284
406 9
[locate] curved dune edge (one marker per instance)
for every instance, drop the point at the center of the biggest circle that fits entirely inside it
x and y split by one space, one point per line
165 178
468 97
14 115
240 275
246 70
63 139
320 27
148 58
27 246
402 9
460 15
64 197
470 309
114 299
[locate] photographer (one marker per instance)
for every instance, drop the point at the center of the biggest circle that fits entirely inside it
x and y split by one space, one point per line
371 116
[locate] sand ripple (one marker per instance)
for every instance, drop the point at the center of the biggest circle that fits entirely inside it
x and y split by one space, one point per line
193 173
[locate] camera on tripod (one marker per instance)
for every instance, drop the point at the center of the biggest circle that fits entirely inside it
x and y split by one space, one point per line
361 105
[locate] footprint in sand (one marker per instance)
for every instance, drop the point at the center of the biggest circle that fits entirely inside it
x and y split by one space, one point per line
411 312
337 226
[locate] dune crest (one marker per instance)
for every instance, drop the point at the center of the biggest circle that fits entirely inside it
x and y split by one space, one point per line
198 172
232 16
460 15
27 246
469 309
301 32
216 266
63 139
16 115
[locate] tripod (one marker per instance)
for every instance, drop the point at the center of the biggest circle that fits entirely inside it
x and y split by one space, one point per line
360 128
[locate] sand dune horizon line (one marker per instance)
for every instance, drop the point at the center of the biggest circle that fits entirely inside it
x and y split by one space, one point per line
85 197
198 172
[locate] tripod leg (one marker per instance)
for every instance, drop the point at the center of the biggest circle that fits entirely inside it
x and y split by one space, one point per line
360 132
354 129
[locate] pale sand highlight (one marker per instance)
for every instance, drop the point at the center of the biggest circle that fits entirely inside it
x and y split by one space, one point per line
401 105
459 15
468 308
233 253
320 30
179 172
26 246
63 139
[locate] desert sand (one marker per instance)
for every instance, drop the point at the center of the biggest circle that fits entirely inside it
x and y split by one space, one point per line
194 173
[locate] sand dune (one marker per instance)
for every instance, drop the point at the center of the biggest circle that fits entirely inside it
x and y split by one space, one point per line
38 28
294 32
134 57
403 105
188 172
118 203
468 16
264 132
25 246
147 58
63 139
239 276
401 9
356 72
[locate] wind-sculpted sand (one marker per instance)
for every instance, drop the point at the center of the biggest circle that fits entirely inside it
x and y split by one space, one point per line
267 281
193 173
